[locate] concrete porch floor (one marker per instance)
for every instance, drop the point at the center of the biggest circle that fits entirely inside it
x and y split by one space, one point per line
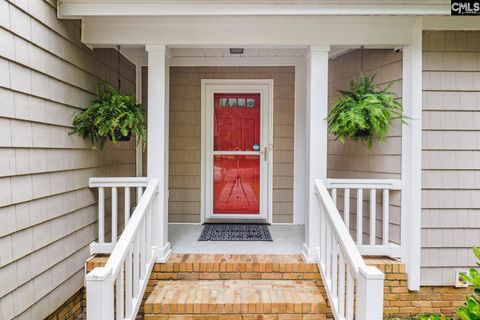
287 239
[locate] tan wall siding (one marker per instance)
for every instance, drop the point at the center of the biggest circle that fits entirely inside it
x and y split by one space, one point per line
354 159
451 156
47 212
185 142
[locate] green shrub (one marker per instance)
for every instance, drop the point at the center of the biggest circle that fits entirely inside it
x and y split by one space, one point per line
365 112
111 115
433 317
471 309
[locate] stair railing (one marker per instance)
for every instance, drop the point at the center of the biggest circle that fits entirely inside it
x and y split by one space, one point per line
115 291
354 290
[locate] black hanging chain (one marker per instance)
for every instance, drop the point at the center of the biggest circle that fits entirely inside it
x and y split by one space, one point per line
118 68
362 49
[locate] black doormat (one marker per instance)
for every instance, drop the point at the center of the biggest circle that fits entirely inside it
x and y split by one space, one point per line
235 232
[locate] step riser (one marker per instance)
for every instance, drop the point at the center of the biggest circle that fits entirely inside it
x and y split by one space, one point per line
257 267
238 317
274 308
234 276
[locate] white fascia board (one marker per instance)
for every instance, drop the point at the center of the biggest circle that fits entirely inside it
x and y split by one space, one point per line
255 31
78 9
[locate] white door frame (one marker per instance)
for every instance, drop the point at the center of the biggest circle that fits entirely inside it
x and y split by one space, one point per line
265 88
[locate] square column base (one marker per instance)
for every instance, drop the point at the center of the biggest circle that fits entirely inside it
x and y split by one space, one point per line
163 254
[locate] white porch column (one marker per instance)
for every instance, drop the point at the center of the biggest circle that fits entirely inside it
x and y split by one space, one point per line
157 135
316 144
412 157
138 95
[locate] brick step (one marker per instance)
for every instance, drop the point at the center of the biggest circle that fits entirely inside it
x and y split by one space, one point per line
236 299
235 267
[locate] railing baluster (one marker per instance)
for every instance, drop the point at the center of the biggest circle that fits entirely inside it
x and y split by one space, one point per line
139 193
341 284
148 218
373 216
114 215
128 283
334 196
136 265
127 205
334 265
323 235
386 217
346 208
328 252
101 215
142 249
349 296
359 217
119 294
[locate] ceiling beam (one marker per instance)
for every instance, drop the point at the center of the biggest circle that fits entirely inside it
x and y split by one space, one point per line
248 31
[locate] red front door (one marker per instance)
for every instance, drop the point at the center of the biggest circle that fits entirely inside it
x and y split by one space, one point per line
236 156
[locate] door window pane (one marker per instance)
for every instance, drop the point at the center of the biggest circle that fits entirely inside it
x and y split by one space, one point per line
236 122
236 185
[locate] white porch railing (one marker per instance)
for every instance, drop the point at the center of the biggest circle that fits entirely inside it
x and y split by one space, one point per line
115 291
126 183
355 290
369 246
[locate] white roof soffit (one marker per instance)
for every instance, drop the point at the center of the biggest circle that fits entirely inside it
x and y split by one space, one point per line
97 8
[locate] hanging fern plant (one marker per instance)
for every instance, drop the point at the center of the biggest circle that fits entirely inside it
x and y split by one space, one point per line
111 115
365 112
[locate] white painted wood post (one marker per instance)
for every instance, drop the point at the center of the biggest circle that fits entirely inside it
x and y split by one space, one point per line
299 160
157 157
99 285
411 204
138 95
316 144
369 304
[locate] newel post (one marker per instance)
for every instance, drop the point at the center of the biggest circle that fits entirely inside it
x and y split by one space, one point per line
369 294
100 294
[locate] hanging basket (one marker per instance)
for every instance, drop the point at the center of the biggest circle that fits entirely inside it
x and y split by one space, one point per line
120 137
362 134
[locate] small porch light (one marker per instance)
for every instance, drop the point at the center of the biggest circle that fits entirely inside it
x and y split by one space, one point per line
236 50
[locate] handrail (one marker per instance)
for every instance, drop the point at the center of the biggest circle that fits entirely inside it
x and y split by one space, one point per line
133 182
354 290
392 184
346 241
